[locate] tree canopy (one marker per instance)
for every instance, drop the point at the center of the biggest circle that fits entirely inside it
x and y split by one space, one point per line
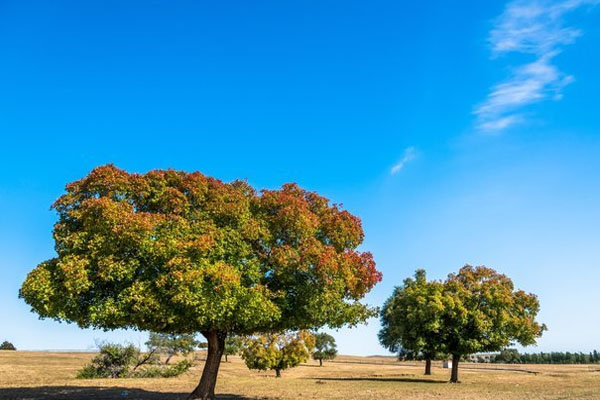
175 252
278 351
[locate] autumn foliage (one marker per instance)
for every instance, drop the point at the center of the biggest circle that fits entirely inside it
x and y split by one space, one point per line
176 252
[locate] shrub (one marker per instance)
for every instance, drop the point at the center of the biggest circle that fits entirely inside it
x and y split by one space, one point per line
113 361
6 345
127 361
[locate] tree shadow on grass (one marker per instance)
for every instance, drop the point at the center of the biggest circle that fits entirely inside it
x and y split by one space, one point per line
383 379
97 393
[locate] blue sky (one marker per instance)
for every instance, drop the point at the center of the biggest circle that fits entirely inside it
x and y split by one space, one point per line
460 132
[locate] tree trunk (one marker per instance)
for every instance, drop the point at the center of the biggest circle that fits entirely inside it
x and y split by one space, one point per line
428 366
216 345
168 359
226 357
454 376
277 373
320 362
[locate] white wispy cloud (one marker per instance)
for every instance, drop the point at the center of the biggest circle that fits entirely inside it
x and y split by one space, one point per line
537 28
410 153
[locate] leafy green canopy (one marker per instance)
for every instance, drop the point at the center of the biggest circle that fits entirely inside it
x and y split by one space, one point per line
412 318
277 351
485 313
325 347
176 252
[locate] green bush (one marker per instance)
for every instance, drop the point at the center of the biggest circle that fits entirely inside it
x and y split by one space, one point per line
119 361
113 361
6 345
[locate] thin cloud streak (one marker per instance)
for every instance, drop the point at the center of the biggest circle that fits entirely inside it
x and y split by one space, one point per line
534 27
410 153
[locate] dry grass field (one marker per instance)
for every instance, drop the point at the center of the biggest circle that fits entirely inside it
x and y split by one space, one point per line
32 375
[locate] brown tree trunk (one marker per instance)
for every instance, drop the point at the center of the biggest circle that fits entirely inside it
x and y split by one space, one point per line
216 345
277 373
226 358
320 362
454 376
428 366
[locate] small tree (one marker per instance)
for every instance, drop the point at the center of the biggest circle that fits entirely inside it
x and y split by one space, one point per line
325 347
485 313
6 345
411 319
233 346
171 344
277 351
176 252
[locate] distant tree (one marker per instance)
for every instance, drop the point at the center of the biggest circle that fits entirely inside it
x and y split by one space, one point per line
412 320
6 345
507 356
325 347
175 252
171 344
278 351
233 346
485 313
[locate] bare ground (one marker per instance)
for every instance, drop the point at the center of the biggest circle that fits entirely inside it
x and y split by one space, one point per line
37 375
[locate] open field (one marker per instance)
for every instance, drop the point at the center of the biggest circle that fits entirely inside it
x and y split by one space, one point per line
33 375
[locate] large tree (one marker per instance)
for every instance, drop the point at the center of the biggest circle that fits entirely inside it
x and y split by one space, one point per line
411 319
176 252
325 347
485 313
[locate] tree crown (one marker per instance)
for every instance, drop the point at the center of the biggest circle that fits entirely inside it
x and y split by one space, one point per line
486 313
176 252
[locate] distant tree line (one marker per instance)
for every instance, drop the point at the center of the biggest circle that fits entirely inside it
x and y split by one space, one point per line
512 356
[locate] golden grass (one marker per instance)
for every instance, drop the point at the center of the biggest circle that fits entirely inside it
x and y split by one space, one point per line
51 376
